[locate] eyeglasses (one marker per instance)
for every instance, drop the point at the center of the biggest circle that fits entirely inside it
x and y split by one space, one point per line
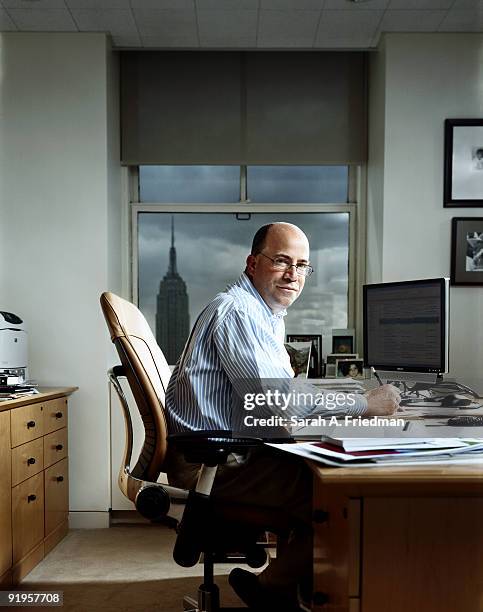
282 264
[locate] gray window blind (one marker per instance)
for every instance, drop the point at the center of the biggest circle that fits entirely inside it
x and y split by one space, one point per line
243 108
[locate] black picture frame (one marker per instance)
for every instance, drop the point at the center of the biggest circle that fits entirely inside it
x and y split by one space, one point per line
315 368
463 163
466 245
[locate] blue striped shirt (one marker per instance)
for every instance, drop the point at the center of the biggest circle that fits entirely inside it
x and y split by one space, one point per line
235 337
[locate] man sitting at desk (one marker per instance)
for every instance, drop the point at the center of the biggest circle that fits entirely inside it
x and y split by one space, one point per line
240 335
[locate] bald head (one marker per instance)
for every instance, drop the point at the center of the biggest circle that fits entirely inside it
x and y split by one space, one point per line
280 229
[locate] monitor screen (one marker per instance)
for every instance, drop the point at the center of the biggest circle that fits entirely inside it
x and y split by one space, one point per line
406 325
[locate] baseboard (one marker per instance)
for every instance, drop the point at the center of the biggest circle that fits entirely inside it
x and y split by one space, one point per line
88 520
123 517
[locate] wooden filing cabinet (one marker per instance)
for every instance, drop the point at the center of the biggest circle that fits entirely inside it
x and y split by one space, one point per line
34 481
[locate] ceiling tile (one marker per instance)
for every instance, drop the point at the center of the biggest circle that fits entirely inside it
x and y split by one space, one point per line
43 20
223 42
118 23
166 23
161 42
98 4
462 21
420 5
292 5
126 41
37 5
352 42
222 28
6 24
287 28
359 25
178 5
411 21
466 4
204 5
350 6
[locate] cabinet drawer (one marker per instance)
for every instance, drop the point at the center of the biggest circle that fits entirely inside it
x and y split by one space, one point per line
55 414
56 495
27 423
27 515
55 447
27 460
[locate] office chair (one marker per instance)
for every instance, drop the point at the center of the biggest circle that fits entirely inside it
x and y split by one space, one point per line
207 527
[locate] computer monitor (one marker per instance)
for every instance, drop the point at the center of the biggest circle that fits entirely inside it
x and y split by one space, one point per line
406 326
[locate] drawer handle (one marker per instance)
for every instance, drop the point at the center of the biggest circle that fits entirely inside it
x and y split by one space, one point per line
60 479
30 424
59 447
31 498
58 415
31 461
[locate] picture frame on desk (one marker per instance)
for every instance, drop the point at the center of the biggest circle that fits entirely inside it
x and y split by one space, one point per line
299 353
349 368
315 366
463 163
333 357
343 341
331 361
467 251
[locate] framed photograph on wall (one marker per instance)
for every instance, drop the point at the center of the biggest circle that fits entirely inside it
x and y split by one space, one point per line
467 251
463 162
315 370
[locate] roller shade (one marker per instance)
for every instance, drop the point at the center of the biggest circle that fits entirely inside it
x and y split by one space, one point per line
243 108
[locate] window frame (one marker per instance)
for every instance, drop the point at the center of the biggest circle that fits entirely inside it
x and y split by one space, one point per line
355 208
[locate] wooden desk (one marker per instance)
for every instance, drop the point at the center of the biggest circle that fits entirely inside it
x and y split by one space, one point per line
34 484
405 539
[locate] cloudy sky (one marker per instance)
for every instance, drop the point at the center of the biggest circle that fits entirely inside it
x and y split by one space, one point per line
211 253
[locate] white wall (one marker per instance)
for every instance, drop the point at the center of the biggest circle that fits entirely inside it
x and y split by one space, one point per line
59 243
418 81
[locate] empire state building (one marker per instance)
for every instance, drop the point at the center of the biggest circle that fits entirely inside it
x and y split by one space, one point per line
172 313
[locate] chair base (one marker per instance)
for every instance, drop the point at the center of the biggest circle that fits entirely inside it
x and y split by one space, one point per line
206 603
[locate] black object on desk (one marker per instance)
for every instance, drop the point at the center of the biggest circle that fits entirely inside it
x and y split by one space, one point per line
466 421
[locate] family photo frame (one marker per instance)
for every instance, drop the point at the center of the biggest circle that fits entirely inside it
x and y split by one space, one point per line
467 251
463 163
315 365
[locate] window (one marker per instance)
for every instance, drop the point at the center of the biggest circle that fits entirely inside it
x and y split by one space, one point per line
184 254
309 184
210 184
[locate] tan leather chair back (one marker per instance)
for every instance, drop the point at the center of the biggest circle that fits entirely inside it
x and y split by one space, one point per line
148 374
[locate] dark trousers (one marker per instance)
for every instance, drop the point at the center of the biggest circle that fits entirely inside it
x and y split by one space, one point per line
271 480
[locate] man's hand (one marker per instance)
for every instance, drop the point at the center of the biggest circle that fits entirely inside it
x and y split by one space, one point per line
382 401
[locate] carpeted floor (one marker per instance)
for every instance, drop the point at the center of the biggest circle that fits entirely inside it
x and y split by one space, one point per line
126 568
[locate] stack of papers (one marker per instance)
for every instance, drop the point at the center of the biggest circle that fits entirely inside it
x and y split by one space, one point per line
360 452
8 392
337 384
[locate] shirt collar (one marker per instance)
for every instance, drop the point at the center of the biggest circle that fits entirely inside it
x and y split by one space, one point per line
246 284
